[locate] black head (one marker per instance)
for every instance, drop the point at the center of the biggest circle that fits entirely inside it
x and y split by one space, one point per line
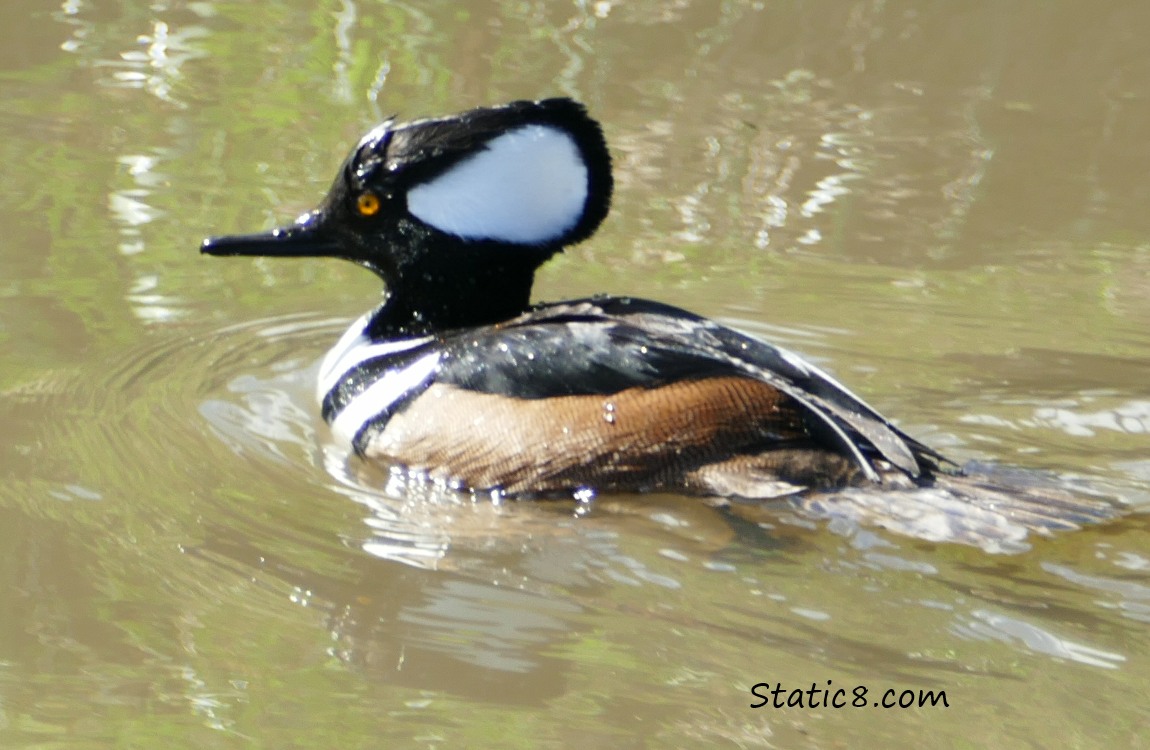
450 209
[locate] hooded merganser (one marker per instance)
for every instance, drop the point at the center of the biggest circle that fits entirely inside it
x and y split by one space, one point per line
457 377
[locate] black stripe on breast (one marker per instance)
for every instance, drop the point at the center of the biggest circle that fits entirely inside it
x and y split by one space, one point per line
372 427
359 378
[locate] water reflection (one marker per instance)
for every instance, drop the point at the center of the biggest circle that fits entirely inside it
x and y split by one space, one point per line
1005 627
445 632
1127 594
157 68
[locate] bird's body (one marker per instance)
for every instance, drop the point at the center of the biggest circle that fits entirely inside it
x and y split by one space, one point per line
606 393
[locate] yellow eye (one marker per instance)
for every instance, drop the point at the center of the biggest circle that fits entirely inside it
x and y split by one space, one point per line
367 204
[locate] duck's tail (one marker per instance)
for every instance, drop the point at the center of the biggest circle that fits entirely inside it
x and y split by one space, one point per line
987 506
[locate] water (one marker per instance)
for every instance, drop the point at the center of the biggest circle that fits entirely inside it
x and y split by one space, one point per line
943 206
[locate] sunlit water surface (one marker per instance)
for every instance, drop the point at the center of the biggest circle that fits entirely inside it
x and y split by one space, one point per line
944 207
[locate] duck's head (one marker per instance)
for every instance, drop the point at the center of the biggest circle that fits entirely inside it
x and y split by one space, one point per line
456 206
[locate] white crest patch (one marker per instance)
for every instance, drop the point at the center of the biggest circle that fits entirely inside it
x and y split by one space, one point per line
527 186
382 394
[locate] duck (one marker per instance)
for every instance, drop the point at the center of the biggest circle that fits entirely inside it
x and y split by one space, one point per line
456 377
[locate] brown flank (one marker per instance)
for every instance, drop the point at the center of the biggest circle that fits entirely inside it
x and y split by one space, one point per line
713 436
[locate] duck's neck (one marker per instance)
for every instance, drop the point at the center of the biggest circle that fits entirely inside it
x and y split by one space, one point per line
428 301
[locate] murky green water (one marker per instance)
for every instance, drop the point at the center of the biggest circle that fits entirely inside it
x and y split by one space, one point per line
944 204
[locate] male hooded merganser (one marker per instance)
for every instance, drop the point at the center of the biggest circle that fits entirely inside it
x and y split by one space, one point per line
457 377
